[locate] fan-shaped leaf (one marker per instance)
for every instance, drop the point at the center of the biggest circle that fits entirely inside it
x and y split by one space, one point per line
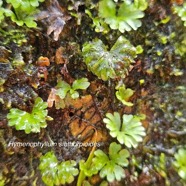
55 173
62 89
67 171
80 84
129 132
123 94
126 18
110 166
109 64
30 122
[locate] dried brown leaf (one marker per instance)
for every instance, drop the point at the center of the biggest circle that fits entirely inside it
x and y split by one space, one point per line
53 18
53 98
59 56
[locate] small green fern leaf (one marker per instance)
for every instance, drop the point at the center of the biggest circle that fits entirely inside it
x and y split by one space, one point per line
125 18
29 122
123 94
129 132
109 64
111 166
55 173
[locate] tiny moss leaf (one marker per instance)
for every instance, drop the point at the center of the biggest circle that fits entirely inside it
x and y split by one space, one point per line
181 11
180 163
